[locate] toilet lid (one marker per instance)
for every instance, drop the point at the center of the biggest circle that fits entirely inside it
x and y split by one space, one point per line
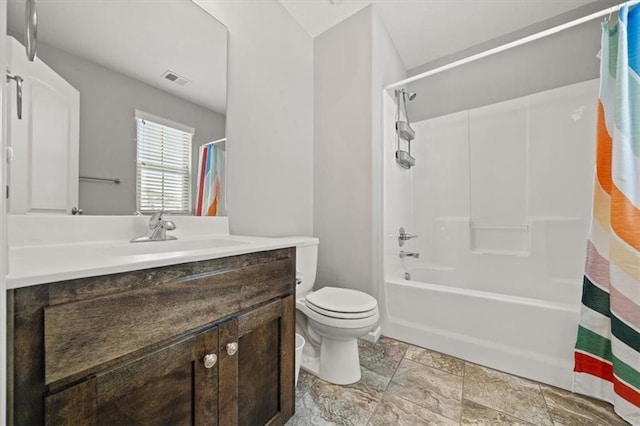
341 301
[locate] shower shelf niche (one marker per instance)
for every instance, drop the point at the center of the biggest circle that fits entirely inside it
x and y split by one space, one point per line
501 240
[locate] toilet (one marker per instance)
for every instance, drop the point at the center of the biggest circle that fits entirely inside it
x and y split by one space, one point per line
331 320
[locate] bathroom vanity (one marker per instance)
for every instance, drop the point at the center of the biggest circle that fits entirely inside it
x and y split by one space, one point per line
209 341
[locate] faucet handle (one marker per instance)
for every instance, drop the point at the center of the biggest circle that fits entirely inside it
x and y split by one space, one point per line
168 225
403 236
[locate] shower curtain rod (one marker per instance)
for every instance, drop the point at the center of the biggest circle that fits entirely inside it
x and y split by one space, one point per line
511 45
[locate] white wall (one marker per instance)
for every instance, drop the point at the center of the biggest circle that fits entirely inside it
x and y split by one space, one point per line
269 118
353 61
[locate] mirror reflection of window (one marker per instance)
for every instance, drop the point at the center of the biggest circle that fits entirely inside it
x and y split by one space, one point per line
163 178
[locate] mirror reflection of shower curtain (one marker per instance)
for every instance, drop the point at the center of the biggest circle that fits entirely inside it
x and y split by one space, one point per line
211 169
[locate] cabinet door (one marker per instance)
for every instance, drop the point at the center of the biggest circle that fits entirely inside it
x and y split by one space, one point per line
266 349
169 386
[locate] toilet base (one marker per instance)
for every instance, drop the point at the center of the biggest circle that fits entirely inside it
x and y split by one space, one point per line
338 361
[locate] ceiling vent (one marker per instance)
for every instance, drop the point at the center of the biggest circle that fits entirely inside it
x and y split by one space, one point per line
176 78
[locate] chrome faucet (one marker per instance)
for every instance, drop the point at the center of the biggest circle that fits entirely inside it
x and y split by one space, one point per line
404 254
403 236
157 229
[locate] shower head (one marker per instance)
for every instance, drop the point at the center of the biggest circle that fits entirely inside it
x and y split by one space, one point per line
410 95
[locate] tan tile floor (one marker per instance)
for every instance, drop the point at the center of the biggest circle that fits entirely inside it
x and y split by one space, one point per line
403 384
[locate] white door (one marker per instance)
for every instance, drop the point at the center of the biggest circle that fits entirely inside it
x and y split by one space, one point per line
43 174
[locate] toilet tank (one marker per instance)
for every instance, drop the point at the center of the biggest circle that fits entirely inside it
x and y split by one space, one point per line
306 263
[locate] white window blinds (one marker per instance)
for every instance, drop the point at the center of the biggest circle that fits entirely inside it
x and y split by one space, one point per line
163 165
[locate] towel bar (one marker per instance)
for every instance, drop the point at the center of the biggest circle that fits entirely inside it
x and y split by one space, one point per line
114 180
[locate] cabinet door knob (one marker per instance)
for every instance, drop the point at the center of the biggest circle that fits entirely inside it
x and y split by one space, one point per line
232 348
210 360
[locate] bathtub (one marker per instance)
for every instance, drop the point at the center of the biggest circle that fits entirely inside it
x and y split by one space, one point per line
531 336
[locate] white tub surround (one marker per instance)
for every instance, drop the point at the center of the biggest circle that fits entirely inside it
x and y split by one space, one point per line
500 200
50 248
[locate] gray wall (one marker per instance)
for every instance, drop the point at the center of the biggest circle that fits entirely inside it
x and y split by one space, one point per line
342 152
269 119
387 68
352 63
558 60
107 127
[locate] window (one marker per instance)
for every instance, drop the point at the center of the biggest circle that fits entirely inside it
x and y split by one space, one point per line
163 165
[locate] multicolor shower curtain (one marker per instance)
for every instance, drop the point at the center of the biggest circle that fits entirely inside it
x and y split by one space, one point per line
210 166
607 355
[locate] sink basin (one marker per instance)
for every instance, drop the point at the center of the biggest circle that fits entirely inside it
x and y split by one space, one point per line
153 247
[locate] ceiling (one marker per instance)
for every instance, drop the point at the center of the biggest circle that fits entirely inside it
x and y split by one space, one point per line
141 39
426 30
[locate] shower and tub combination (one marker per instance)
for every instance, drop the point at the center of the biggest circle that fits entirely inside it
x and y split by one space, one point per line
499 197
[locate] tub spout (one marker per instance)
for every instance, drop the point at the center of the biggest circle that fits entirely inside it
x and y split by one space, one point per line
404 254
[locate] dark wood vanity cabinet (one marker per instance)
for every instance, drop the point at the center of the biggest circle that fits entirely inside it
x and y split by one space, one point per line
200 343
169 386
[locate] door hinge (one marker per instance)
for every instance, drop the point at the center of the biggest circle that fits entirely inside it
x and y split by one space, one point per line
7 191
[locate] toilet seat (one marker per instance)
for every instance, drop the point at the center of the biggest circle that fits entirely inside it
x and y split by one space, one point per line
340 307
339 323
341 315
342 303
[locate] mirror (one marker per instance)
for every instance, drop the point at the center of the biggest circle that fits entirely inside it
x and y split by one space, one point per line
166 59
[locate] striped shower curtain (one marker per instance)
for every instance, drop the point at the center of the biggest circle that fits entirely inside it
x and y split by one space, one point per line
607 354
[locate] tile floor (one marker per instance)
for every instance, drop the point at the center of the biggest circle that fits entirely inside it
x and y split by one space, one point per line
406 385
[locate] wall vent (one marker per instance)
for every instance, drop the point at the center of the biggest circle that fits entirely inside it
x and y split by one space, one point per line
176 78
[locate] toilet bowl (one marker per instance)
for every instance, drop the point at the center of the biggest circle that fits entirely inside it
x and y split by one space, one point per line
334 329
331 320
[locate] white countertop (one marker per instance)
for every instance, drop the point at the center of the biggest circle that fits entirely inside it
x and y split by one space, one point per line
85 247
33 265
